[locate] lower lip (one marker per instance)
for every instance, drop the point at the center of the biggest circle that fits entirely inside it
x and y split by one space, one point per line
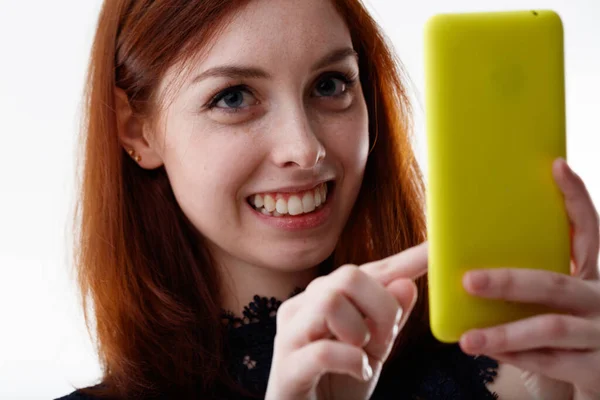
299 222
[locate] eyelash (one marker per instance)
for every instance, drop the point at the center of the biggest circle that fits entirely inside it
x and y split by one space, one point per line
349 79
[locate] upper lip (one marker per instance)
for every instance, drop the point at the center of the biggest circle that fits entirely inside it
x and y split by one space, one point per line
295 188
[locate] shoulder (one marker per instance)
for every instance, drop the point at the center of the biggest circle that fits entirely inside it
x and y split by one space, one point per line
79 395
76 395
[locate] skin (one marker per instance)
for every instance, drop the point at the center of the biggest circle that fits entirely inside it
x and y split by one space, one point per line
285 132
289 131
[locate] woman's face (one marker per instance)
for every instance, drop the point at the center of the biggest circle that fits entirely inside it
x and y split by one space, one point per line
271 117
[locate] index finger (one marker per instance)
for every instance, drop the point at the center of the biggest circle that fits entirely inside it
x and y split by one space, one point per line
533 286
408 264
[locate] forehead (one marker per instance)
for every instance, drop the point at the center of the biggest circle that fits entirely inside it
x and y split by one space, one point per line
291 32
282 37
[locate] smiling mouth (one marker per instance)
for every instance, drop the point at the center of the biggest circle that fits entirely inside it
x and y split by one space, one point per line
292 204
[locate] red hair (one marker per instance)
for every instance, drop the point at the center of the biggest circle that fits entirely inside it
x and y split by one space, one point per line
154 290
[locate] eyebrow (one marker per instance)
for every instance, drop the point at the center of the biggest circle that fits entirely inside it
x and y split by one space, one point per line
236 72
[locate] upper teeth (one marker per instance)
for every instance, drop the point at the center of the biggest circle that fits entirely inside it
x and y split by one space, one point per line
279 204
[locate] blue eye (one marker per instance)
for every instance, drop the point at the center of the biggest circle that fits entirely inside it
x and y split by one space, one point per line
331 87
236 98
233 99
230 99
334 85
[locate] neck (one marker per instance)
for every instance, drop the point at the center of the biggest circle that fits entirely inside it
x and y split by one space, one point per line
241 282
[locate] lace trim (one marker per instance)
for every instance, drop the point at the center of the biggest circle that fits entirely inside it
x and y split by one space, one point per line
259 309
250 345
488 369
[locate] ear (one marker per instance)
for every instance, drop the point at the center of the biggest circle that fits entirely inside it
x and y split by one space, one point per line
132 134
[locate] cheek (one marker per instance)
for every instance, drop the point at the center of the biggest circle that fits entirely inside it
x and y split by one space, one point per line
207 177
350 143
206 173
206 190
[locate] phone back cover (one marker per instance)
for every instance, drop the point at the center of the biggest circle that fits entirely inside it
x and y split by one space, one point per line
495 116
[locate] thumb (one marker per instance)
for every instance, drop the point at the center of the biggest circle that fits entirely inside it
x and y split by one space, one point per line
405 291
544 388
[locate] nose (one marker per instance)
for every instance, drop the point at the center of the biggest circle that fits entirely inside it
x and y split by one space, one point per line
296 143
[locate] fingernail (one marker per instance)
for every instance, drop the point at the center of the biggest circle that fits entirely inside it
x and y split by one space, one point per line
398 316
475 340
367 339
367 370
476 280
394 335
395 331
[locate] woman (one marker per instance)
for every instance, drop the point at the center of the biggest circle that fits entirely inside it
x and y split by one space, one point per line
240 148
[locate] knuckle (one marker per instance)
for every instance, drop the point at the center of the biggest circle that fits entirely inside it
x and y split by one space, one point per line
501 337
322 353
345 269
285 312
505 282
350 275
331 302
555 326
315 283
558 285
559 281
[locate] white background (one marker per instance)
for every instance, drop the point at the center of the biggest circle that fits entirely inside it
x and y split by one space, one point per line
44 46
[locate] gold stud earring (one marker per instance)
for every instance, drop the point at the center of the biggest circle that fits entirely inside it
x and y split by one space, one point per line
137 158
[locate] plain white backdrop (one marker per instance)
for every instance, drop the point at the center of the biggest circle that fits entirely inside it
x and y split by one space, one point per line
44 45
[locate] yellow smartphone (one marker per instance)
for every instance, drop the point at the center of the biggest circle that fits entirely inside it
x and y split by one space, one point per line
495 122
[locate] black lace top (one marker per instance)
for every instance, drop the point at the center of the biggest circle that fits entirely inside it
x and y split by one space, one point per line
444 374
448 373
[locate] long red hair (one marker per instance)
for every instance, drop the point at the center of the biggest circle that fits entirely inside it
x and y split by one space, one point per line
154 290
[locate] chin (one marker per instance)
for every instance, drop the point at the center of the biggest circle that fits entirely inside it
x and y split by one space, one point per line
297 259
